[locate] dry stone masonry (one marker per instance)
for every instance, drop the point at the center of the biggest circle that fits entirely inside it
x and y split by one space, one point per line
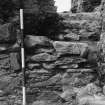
62 69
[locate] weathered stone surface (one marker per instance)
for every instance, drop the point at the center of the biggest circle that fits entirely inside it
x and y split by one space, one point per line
7 33
44 102
36 41
68 66
70 47
76 4
7 48
3 103
5 85
72 36
75 70
74 23
82 29
71 84
84 5
57 72
4 62
33 65
91 29
44 50
51 81
10 62
43 57
14 61
81 16
50 96
49 66
38 75
39 103
68 60
3 47
88 95
13 48
90 89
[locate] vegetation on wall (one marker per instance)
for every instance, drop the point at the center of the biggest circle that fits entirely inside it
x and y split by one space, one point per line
40 17
7 10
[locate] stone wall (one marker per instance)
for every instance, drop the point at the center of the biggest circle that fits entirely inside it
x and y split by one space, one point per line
63 70
85 5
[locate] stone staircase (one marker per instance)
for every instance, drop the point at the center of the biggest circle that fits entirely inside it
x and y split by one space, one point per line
62 70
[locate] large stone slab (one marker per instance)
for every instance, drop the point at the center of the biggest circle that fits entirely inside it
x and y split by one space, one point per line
34 41
77 48
42 57
81 16
68 60
52 81
38 44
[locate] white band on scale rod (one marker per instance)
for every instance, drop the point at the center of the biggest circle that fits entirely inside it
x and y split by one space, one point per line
22 57
21 19
24 95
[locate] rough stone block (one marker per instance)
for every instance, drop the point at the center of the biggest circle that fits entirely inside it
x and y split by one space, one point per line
70 47
7 33
14 61
42 57
33 41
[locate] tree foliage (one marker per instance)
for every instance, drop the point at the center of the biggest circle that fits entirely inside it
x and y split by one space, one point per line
41 19
7 9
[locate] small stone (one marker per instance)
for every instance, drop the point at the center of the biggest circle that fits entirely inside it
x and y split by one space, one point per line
39 103
69 66
72 36
48 66
33 65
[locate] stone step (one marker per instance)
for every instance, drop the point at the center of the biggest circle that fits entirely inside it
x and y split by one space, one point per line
63 47
81 16
80 70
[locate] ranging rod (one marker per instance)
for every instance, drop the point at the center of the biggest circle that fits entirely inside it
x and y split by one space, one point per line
22 53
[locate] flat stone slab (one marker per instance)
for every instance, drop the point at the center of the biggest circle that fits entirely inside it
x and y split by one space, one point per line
32 41
42 57
81 16
63 47
79 70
